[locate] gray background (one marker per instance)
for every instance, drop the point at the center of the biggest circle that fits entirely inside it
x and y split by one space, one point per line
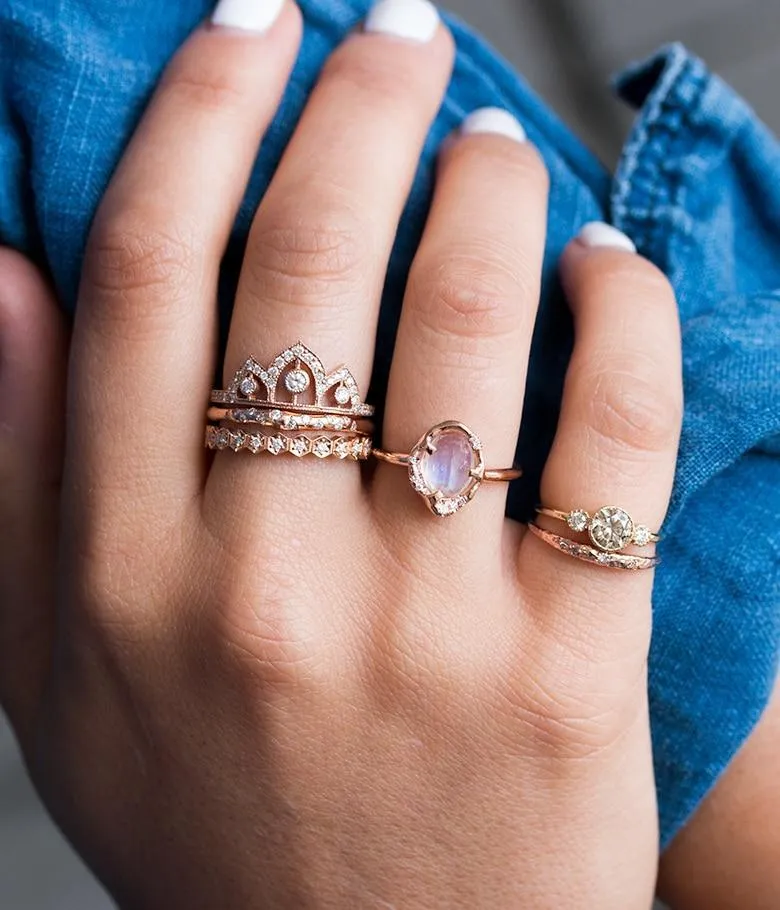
566 49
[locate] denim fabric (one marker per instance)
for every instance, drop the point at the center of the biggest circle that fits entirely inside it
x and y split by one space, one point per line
697 188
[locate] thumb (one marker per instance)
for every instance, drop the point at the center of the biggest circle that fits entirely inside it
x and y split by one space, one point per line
33 355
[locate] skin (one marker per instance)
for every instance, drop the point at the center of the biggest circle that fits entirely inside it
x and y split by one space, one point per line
275 683
728 857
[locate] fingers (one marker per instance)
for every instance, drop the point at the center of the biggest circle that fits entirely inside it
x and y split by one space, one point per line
144 334
468 317
319 248
33 347
619 427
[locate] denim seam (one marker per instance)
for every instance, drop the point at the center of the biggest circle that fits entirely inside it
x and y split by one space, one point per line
663 135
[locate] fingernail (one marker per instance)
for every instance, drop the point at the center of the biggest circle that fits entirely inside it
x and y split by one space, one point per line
493 120
415 20
598 234
247 15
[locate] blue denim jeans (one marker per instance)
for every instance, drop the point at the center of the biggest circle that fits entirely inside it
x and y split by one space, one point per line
697 188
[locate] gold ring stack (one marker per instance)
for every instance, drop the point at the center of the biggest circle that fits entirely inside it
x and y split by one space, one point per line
293 407
611 531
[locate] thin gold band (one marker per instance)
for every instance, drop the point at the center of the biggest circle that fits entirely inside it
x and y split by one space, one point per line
501 475
592 555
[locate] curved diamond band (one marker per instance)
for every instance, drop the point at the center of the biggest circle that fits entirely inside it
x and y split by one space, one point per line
354 448
279 419
611 529
447 467
591 554
296 381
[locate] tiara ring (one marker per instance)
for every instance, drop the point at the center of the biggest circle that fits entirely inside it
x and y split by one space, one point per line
611 529
447 467
306 410
295 382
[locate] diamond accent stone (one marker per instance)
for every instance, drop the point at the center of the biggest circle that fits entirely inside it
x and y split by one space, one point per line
342 395
297 381
342 448
446 506
223 439
299 446
249 386
237 441
642 535
322 447
276 445
578 520
254 444
611 529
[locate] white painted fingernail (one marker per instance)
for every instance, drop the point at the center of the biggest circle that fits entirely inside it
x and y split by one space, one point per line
415 20
247 15
493 120
598 234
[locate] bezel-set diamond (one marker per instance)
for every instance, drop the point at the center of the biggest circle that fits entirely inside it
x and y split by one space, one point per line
611 529
297 381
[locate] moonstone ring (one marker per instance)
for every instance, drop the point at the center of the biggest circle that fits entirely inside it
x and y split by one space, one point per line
447 467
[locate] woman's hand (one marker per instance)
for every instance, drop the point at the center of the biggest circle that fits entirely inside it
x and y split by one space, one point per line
270 682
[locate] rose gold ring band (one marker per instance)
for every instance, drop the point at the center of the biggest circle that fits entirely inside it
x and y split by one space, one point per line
499 475
592 555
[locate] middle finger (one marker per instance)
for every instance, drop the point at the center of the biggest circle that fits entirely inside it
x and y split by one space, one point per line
320 244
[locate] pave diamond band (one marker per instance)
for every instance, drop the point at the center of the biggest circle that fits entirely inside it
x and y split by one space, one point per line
354 448
291 421
592 555
611 529
295 381
447 467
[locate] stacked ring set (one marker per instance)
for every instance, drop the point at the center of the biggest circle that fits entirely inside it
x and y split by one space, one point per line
294 407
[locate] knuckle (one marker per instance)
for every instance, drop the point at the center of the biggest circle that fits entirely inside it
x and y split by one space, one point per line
256 626
632 412
128 256
205 84
469 297
371 76
624 277
306 264
562 722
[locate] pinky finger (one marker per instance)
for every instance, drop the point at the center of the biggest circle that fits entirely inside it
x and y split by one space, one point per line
33 352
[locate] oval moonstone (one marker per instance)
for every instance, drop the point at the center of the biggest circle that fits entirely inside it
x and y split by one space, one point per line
447 469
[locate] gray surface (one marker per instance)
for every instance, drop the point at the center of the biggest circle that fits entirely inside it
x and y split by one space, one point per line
566 49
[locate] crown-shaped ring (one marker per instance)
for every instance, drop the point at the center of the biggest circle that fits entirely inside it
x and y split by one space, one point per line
297 381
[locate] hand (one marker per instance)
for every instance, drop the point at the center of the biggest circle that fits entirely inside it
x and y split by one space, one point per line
269 682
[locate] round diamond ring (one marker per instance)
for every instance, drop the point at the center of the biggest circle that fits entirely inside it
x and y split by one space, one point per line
611 529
